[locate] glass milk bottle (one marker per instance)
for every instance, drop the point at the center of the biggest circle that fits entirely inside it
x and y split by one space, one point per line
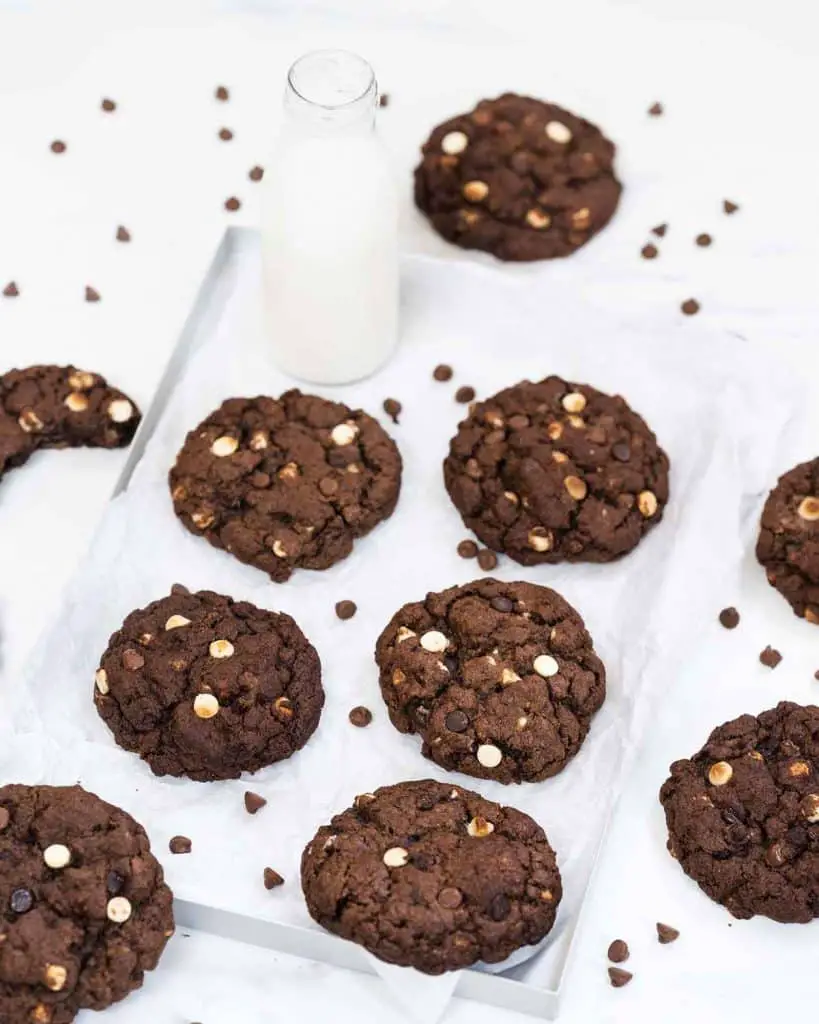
330 226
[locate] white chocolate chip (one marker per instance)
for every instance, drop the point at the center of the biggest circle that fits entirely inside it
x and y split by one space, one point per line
511 496
344 434
399 676
545 665
809 509
581 218
203 519
404 634
221 649
120 410
57 856
647 504
118 910
573 402
558 132
259 441
475 191
205 705
538 220
554 431
508 676
540 539
576 421
101 681
489 755
395 857
80 380
279 550
76 402
454 794
288 472
810 808
30 422
576 487
55 977
559 457
720 773
522 722
454 143
434 641
175 621
480 827
223 446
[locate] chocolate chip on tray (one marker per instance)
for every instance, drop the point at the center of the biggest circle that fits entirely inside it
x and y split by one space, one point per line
660 230
703 240
384 99
108 106
464 394
467 549
346 609
655 109
256 173
11 290
487 560
272 878
666 934
232 204
91 294
442 372
360 717
770 657
729 618
225 134
690 307
649 252
729 207
180 844
222 94
58 146
123 234
618 951
253 802
618 977
392 407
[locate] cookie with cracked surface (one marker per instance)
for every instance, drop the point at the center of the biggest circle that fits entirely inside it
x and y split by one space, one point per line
85 908
788 543
555 471
207 687
743 814
429 876
500 680
286 483
519 178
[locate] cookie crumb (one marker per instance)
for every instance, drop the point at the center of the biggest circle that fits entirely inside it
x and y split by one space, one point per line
253 802
58 146
123 234
346 609
11 290
703 240
487 560
225 134
618 951
666 934
618 977
384 99
465 394
272 878
656 109
442 372
690 307
256 173
180 844
649 252
770 657
729 207
91 294
360 717
392 407
660 230
222 94
232 204
108 106
729 617
468 549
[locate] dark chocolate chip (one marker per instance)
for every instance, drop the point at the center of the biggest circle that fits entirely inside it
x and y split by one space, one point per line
11 290
457 721
649 252
123 234
108 106
729 207
346 609
392 407
655 109
450 898
272 878
690 307
666 934
91 294
256 173
487 560
222 93
58 146
384 99
180 844
729 617
660 230
360 717
499 907
253 802
618 977
467 549
132 660
770 657
232 204
618 951
21 901
114 883
464 394
442 372
703 240
225 134
621 451
502 604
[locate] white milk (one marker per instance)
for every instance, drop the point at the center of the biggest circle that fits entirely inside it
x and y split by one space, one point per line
330 226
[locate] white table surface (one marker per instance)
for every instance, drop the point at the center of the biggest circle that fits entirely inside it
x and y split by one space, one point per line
739 90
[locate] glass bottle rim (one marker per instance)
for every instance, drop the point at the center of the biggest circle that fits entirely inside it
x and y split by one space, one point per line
368 78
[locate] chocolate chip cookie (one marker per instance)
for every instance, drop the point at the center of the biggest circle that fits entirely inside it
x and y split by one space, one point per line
429 876
500 680
556 471
788 544
743 814
85 909
286 483
517 177
207 687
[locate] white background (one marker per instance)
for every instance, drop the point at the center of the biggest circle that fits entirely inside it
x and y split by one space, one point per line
740 92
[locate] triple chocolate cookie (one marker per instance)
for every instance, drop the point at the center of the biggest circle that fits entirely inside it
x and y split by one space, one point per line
286 483
207 687
557 471
429 876
500 680
517 177
788 544
60 407
743 814
85 908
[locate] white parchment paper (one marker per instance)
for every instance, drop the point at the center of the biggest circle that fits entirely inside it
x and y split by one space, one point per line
719 410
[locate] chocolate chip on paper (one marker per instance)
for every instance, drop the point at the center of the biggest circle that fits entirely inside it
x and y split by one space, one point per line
729 618
729 207
660 230
690 307
487 560
649 252
253 802
180 844
225 134
360 717
468 549
442 372
123 234
618 951
346 610
272 878
91 294
618 977
11 291
770 657
655 110
392 407
465 394
256 173
666 934
108 106
232 204
222 94
703 240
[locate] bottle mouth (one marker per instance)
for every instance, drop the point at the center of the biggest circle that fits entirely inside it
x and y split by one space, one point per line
331 79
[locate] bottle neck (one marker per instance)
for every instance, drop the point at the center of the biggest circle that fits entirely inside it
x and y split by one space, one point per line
332 93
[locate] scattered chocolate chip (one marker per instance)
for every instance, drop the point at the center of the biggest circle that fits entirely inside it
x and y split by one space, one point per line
180 844
729 207
91 294
58 146
384 99
690 307
256 173
123 234
618 951
222 94
272 878
655 109
108 106
360 717
703 240
666 934
254 802
21 901
816 674
346 609
114 883
457 721
467 549
442 372
4 818
618 977
649 252
499 907
450 898
770 657
621 451
487 560
11 290
392 407
464 394
660 230
225 134
729 617
232 204
502 604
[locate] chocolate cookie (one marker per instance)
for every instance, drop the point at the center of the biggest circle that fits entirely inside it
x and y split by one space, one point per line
555 471
208 687
788 544
429 876
286 483
517 177
85 909
500 680
743 814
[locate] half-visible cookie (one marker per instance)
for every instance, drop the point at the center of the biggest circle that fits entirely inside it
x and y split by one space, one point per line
85 908
433 877
788 544
555 471
500 680
517 177
207 687
743 814
286 483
